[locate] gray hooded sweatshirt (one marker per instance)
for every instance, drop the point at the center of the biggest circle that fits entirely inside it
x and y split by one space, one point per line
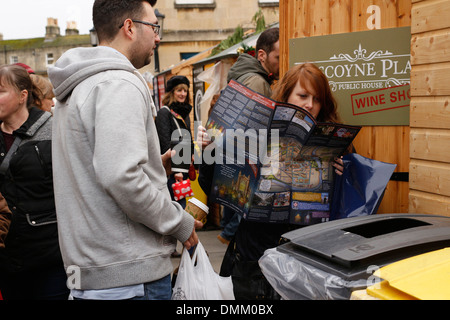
117 223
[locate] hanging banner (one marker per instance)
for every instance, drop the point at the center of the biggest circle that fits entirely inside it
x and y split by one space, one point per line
368 72
158 90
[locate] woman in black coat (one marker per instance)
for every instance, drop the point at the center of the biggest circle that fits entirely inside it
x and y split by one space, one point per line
31 266
173 119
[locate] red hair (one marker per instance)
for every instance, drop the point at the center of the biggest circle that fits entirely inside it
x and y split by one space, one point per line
311 74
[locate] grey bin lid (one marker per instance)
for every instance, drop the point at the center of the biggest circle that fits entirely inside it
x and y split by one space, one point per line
347 247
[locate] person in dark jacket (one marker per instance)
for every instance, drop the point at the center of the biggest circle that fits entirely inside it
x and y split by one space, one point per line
30 263
173 120
307 87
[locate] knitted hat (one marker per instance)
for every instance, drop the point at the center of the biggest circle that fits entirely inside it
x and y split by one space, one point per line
28 68
176 80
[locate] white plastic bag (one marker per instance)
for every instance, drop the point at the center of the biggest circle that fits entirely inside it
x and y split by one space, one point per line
216 77
197 280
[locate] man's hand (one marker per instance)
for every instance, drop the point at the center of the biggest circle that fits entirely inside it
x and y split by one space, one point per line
193 240
166 160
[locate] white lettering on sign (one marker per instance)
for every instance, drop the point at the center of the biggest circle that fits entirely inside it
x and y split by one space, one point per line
374 21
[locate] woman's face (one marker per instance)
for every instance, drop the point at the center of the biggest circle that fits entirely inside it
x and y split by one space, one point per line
305 98
47 104
11 100
180 94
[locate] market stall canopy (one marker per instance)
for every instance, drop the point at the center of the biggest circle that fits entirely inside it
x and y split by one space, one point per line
232 52
182 68
175 69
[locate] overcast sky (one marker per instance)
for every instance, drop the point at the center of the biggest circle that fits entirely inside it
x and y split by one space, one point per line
22 19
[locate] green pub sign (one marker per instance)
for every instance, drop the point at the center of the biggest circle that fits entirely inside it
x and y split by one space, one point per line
368 72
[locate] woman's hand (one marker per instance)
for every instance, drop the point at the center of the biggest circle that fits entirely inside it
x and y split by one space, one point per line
203 138
178 176
338 166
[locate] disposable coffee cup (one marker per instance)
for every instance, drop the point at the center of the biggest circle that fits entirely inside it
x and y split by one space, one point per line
197 209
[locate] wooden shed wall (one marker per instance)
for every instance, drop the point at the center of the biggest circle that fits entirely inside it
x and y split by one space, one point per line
305 18
430 110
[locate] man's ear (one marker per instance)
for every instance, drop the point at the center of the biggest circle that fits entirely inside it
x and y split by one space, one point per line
129 28
262 56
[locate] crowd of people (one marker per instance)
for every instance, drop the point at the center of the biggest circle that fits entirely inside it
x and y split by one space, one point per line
86 205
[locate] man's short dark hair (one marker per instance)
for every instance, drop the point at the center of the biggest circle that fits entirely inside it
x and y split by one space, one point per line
108 15
267 39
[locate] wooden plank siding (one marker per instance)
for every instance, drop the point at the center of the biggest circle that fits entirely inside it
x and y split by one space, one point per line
306 18
430 111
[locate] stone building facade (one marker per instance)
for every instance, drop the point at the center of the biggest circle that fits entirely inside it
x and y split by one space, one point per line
39 53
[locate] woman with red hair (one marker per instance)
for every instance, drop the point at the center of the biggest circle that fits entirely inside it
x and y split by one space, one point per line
305 86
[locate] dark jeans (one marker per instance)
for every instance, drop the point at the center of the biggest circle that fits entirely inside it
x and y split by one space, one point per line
42 284
230 222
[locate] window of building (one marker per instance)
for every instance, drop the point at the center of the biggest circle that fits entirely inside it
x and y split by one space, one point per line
13 59
195 4
187 55
268 3
50 59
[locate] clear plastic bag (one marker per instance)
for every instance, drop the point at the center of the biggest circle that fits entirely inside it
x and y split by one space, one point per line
197 280
297 280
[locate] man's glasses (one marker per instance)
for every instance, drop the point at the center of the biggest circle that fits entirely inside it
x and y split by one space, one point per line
155 27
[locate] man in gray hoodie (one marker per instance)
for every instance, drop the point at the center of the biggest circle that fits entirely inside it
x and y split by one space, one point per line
117 223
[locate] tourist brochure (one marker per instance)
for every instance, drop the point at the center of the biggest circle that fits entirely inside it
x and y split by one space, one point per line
273 161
